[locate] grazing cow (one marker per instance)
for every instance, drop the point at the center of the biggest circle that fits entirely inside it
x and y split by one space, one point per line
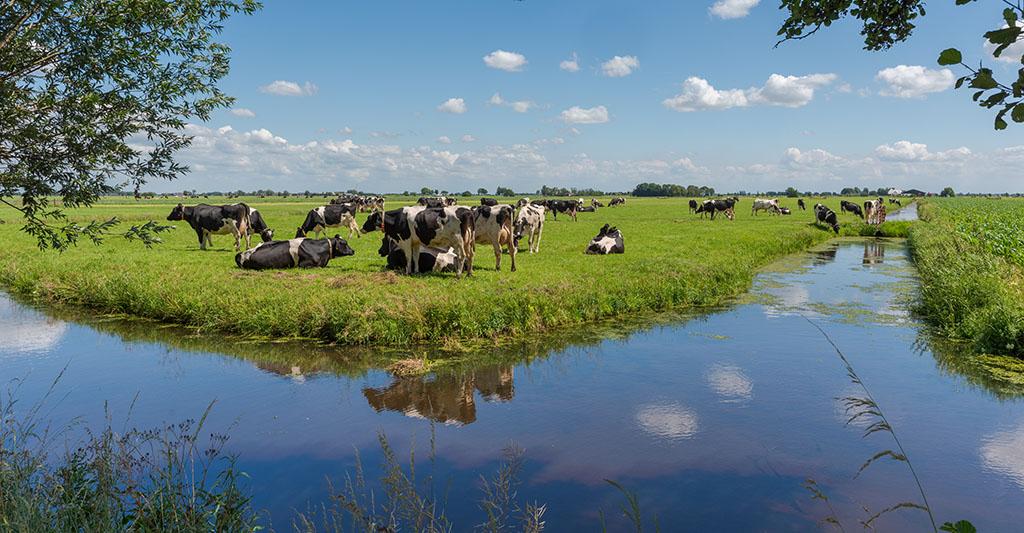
850 207
530 222
618 200
826 216
726 205
431 259
329 216
258 225
416 227
764 204
209 220
607 241
302 252
693 206
569 207
872 210
488 202
800 203
493 225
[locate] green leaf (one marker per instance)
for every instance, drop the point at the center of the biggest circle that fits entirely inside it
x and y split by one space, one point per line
962 526
950 56
1001 124
1018 113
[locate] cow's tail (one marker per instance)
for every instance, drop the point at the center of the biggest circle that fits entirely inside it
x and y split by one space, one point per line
244 223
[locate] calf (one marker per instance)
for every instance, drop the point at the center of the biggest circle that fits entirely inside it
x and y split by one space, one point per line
530 222
303 253
800 203
569 207
491 202
607 241
764 204
824 215
259 226
209 220
417 226
329 216
430 260
493 225
850 207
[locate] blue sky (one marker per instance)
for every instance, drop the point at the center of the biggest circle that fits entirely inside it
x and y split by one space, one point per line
338 95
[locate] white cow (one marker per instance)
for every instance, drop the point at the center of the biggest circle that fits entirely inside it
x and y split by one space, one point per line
530 222
765 204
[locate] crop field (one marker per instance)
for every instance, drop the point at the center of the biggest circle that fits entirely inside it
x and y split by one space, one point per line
673 260
970 255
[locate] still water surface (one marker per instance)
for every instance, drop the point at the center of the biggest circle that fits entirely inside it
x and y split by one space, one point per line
715 421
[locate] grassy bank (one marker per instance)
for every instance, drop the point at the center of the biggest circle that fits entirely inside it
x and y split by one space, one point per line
673 260
970 255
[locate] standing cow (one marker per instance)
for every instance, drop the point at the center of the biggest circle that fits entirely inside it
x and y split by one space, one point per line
530 222
209 220
850 207
493 225
764 204
417 226
824 215
259 226
800 203
329 216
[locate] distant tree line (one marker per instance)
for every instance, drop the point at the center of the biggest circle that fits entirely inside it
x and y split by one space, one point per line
671 189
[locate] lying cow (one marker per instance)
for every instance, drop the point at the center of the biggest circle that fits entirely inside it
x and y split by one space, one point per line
302 253
430 260
493 225
764 204
595 203
607 241
329 216
618 200
258 226
784 211
491 202
529 222
824 215
416 227
850 207
209 220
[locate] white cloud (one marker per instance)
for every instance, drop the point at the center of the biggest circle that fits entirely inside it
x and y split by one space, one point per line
907 151
444 139
522 106
496 99
732 9
519 106
914 81
243 112
290 88
815 156
1012 53
507 61
620 66
346 131
453 105
571 65
579 115
778 90
467 138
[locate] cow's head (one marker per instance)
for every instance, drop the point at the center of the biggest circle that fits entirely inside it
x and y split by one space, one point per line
178 213
340 247
267 235
385 247
374 222
301 233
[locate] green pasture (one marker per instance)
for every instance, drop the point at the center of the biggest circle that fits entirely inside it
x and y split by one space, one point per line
673 260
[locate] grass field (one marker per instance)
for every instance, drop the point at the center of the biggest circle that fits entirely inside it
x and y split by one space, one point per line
970 255
673 260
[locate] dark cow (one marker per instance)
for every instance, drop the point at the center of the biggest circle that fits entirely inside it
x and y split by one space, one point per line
726 205
800 203
784 211
303 253
488 202
569 207
693 206
542 203
258 226
850 207
209 220
607 241
431 259
415 227
493 225
437 201
824 215
618 200
329 216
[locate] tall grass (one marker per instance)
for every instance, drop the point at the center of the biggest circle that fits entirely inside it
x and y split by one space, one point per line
970 290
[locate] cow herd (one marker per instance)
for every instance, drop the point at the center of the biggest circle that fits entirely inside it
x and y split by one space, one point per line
435 235
873 211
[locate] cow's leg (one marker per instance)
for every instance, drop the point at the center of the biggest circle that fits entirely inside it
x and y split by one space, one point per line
497 254
201 233
540 231
237 236
512 251
407 247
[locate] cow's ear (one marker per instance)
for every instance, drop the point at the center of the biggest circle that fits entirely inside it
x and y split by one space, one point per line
337 236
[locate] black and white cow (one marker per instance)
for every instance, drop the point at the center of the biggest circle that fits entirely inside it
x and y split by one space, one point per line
529 222
800 203
874 211
209 220
618 200
765 204
302 253
850 207
431 259
607 241
569 207
259 226
693 206
522 202
595 204
329 216
417 226
488 202
493 225
824 215
784 211
726 205
435 202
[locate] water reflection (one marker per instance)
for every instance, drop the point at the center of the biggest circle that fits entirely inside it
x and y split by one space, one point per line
1003 452
874 252
24 332
730 383
668 421
444 398
825 255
